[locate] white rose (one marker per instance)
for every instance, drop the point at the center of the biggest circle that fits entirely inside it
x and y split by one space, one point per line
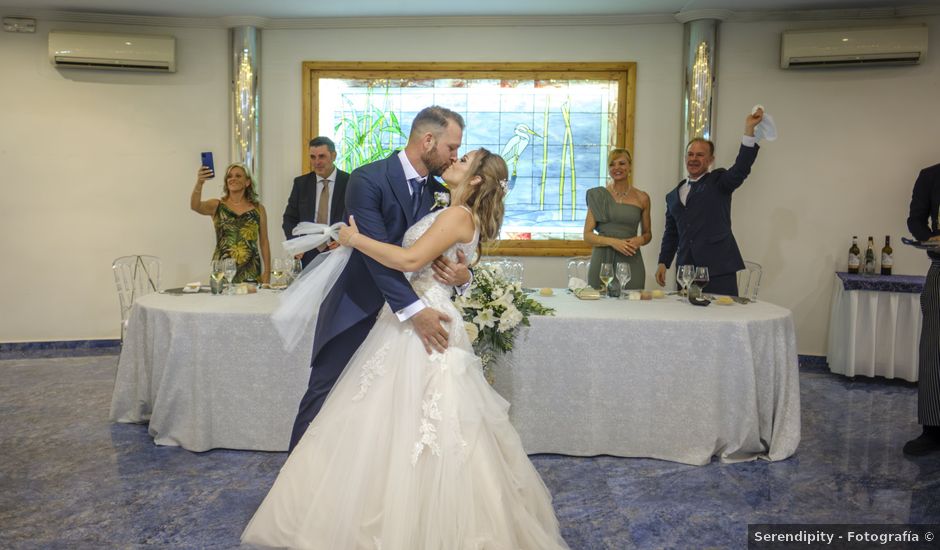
509 319
472 331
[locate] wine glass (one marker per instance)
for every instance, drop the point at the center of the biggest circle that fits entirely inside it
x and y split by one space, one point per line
623 277
700 280
217 273
606 274
277 272
230 269
684 277
296 266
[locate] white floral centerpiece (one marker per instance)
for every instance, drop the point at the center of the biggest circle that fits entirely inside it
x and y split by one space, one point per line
492 310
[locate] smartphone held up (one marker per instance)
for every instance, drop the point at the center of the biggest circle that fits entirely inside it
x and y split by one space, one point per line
208 163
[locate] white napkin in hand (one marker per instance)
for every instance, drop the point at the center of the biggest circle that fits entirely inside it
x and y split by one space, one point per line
765 129
311 235
576 283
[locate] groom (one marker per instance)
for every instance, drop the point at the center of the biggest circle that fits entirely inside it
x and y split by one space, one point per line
386 197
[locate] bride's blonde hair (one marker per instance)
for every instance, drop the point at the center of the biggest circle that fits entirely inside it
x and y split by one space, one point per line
486 198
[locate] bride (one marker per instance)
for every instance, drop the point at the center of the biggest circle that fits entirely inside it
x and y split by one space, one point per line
414 451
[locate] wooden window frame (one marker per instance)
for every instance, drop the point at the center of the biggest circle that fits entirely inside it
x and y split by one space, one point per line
624 73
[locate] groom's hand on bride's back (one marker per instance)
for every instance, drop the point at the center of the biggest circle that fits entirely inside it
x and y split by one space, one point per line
428 323
452 273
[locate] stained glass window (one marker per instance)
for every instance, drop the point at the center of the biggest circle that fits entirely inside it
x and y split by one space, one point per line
552 124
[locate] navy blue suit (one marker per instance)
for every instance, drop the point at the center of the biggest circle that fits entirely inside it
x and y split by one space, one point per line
302 205
699 232
378 196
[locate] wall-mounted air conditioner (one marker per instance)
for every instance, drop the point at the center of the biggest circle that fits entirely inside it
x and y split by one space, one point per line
142 52
897 45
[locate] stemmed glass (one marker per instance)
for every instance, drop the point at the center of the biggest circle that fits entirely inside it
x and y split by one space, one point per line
623 276
684 277
700 280
296 266
230 269
607 275
217 273
277 273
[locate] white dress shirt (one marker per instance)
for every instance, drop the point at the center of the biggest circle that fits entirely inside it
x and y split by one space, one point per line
410 173
747 141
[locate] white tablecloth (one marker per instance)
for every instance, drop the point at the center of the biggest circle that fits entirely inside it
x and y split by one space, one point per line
661 378
209 372
874 333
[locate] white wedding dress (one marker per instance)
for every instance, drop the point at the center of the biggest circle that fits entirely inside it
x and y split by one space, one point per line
410 452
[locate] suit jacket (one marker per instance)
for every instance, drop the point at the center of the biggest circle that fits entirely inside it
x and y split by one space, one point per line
378 196
302 205
925 202
699 232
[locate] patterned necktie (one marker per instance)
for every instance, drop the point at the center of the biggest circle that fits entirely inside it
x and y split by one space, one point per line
323 205
417 186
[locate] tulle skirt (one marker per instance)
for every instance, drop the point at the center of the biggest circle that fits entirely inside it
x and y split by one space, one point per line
409 452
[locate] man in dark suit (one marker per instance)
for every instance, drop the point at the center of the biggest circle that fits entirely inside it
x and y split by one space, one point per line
924 223
318 196
698 213
386 197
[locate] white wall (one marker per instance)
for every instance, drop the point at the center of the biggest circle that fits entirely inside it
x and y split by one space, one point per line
102 164
851 144
98 165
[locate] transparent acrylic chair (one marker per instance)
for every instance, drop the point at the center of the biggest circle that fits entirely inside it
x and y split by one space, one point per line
578 267
509 269
749 280
134 276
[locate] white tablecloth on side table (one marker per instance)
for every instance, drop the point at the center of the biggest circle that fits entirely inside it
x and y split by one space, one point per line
661 378
874 333
209 372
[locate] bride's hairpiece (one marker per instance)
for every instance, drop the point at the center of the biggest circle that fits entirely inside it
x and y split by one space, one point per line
504 184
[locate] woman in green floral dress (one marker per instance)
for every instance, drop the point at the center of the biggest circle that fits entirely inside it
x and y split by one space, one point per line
240 223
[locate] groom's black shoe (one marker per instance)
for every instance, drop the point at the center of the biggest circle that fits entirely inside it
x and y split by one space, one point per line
927 443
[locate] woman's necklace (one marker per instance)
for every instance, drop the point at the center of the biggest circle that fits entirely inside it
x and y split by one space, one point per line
618 194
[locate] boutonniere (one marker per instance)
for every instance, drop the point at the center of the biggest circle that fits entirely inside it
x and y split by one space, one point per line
441 200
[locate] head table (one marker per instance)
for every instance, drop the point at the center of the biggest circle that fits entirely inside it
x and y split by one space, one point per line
659 378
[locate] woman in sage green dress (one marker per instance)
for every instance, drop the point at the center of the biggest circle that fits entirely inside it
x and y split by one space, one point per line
240 223
615 213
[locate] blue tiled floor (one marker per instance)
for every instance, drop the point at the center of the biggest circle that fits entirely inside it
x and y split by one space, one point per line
70 479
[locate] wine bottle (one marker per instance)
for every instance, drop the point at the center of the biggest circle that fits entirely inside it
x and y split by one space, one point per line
870 257
854 254
887 257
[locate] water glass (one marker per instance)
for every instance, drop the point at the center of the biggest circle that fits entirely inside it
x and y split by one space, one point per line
230 268
296 266
684 276
623 277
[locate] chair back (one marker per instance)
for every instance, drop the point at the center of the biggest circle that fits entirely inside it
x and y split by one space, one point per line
511 270
134 276
749 280
578 267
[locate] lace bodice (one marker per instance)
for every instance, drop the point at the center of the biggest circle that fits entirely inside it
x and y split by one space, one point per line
423 280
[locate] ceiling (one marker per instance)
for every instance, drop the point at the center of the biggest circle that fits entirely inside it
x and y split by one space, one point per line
306 9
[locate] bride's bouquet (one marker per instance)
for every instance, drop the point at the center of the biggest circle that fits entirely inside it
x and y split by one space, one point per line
492 309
